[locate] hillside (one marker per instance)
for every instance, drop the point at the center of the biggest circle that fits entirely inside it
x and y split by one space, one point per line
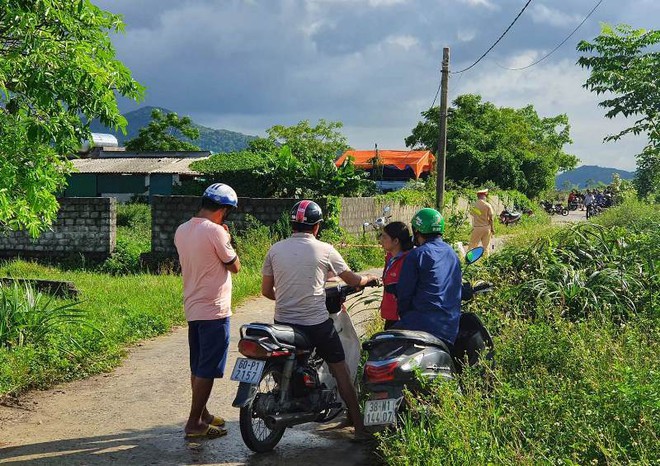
589 175
215 140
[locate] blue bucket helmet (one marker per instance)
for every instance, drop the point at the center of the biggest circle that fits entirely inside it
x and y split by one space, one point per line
222 194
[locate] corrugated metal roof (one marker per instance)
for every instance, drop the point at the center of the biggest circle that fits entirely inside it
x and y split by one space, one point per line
136 165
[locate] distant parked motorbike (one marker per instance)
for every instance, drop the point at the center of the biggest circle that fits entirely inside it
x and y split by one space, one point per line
549 207
283 382
396 357
509 217
593 209
380 222
561 209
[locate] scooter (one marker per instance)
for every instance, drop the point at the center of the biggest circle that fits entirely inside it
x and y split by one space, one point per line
561 209
282 382
380 222
509 217
397 359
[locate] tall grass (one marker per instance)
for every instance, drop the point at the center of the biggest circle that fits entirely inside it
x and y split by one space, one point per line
577 335
28 317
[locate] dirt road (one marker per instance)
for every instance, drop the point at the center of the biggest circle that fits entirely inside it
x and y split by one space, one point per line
135 415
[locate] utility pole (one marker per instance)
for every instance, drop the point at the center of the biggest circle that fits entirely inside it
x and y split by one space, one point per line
442 135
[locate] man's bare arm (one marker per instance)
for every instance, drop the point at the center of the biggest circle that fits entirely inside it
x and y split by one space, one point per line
268 286
353 279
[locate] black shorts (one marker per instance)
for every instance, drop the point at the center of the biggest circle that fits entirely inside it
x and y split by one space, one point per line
325 339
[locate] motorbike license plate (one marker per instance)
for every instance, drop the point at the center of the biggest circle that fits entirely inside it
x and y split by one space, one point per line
247 370
377 412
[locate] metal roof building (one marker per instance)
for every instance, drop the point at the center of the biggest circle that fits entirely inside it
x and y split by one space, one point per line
125 175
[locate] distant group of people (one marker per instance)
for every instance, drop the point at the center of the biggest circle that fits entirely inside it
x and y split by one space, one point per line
591 199
422 289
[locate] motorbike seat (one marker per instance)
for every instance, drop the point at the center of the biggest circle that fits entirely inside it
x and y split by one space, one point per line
417 336
285 334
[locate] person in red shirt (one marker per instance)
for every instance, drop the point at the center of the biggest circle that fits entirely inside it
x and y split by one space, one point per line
396 241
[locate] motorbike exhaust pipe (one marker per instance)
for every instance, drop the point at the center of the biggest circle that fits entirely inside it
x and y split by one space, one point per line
289 419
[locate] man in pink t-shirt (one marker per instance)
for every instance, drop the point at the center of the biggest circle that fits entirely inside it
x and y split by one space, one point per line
207 261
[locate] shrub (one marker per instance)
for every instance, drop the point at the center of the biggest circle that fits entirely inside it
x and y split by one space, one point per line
28 317
237 169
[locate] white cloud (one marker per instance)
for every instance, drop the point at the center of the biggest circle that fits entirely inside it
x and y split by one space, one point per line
466 35
476 3
405 42
553 17
523 58
554 89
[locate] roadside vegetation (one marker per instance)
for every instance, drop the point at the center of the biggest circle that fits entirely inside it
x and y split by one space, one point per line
575 319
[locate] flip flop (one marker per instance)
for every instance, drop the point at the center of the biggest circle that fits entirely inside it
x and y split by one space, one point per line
217 422
209 433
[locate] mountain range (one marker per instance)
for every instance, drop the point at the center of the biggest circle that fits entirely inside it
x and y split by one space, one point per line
588 176
214 140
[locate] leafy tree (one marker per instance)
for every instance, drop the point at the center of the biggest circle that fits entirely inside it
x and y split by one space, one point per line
624 62
285 175
57 72
164 132
302 162
513 148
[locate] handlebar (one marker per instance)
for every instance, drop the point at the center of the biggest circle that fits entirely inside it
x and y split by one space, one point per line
336 295
482 287
470 290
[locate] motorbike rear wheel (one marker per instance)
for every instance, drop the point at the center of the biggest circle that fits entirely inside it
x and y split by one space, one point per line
564 211
256 435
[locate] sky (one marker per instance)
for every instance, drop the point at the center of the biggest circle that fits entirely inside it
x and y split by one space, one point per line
374 65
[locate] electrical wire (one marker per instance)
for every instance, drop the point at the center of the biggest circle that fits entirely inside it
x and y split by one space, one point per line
436 94
558 46
497 41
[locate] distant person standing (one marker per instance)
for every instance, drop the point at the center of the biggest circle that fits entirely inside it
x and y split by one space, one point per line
207 261
482 222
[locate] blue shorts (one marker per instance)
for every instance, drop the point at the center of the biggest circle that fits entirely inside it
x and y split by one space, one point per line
208 341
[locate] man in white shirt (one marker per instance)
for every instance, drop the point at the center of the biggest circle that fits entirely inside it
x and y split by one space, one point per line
294 275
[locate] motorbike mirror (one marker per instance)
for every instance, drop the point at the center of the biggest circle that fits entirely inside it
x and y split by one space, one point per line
366 224
473 255
387 209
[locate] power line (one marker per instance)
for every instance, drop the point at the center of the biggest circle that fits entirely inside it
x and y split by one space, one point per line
558 46
497 41
436 94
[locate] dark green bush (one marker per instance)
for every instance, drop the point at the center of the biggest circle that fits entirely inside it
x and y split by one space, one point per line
237 169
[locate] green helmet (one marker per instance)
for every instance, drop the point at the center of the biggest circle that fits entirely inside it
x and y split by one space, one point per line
428 221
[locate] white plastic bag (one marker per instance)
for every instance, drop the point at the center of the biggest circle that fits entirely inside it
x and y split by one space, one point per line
351 343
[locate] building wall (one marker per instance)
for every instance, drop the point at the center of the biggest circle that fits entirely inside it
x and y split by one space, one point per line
81 185
86 226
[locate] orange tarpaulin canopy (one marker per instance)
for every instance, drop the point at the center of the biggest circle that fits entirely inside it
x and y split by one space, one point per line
418 160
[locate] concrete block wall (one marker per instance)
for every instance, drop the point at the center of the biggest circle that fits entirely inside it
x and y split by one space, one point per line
84 225
168 212
355 211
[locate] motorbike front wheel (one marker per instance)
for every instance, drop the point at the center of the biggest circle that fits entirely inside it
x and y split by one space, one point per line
564 211
256 434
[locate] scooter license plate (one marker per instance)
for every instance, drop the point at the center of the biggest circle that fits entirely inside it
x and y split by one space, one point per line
378 412
247 370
